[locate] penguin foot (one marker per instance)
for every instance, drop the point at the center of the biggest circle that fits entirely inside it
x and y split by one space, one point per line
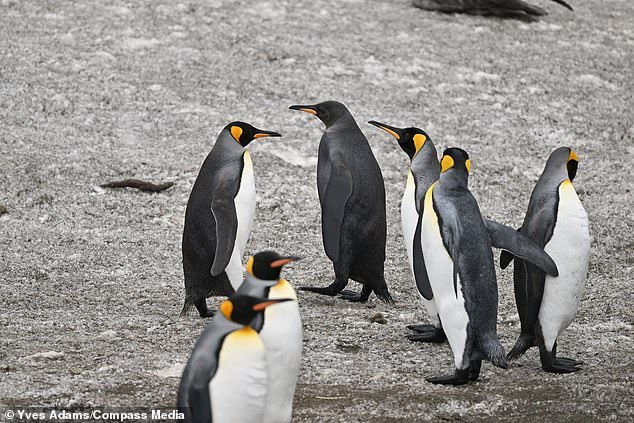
427 333
458 378
553 364
569 361
355 297
559 367
320 290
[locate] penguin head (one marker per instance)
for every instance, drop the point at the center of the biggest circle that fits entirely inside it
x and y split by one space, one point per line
267 265
455 161
410 139
328 111
243 308
244 133
562 162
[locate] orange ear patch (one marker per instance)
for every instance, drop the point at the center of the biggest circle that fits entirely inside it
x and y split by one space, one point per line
446 163
236 132
226 308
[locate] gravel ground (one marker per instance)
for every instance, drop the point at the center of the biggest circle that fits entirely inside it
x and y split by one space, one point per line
91 280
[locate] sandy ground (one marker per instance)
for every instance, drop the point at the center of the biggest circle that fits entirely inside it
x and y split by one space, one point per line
91 281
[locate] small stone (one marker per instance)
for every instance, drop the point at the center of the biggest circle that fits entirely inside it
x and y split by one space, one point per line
378 318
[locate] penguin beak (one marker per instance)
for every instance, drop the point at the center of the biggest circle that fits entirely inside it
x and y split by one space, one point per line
393 131
261 134
264 304
307 109
284 260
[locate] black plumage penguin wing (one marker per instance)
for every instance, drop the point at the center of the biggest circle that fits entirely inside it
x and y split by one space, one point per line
193 394
224 211
336 194
520 245
420 271
449 226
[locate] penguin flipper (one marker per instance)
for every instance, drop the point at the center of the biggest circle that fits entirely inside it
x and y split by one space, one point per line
520 245
420 271
224 211
336 194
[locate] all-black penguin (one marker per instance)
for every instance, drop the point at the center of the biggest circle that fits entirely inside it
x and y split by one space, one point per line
225 379
456 243
280 329
352 197
503 8
557 221
424 170
219 217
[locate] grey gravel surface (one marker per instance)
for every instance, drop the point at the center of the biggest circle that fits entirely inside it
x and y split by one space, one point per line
90 277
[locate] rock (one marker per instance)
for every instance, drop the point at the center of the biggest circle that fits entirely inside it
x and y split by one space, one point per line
378 318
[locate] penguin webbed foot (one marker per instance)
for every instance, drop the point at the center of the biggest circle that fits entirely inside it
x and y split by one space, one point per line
460 377
426 333
558 366
320 290
355 297
553 364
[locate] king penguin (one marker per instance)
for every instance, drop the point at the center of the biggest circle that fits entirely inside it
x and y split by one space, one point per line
280 329
457 243
424 170
518 9
557 221
225 379
352 197
219 217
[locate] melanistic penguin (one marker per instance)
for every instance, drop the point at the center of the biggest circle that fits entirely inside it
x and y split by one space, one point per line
518 9
219 217
225 379
456 243
352 198
280 329
423 171
557 221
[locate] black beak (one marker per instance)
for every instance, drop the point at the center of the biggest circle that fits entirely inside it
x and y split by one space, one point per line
259 133
308 109
392 130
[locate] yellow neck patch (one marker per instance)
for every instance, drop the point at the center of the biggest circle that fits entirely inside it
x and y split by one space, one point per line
419 141
446 163
250 266
226 308
468 165
236 132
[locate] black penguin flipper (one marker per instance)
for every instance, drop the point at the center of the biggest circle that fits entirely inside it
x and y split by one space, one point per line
224 211
505 259
336 194
564 4
420 271
520 245
200 404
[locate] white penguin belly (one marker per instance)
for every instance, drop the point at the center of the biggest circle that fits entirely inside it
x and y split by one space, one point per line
409 217
409 220
439 265
244 203
282 337
238 389
569 247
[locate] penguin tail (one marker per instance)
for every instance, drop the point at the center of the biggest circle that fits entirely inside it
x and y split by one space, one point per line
493 351
523 343
187 309
383 294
